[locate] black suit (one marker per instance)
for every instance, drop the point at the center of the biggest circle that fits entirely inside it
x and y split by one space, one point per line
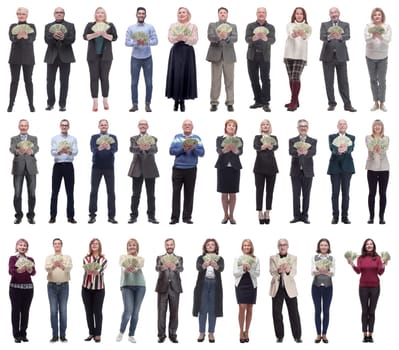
59 54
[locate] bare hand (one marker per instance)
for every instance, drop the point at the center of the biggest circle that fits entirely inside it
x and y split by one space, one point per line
22 35
188 147
342 148
223 35
145 146
58 36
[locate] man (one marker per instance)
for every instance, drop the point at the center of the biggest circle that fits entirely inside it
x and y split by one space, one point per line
260 35
103 146
141 36
59 36
143 168
334 55
283 287
340 169
24 148
186 148
222 36
58 267
302 148
168 288
64 148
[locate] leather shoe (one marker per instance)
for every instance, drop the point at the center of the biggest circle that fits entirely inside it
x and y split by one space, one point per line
32 222
266 108
72 221
295 220
9 110
232 221
350 109
49 108
90 337
334 220
148 107
54 339
256 105
25 339
112 221
317 340
230 108
382 222
32 109
331 108
92 220
161 339
17 340
214 108
325 340
132 220
298 340
200 340
63 339
305 221
345 220
370 221
17 221
279 340
62 109
173 222
51 221
188 221
225 221
173 340
134 108
153 221
267 221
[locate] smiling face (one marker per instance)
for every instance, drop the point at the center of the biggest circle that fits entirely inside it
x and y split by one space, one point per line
369 246
21 247
132 248
334 14
261 15
23 126
187 127
100 15
183 15
265 127
95 247
22 14
283 247
324 247
247 247
299 15
57 245
143 126
303 128
342 126
230 129
103 126
377 17
141 15
377 128
170 246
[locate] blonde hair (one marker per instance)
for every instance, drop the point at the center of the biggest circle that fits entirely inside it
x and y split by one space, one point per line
23 9
263 122
377 122
24 241
133 240
247 240
105 13
188 12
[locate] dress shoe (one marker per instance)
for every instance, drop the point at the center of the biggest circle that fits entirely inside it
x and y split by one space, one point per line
292 107
331 108
51 221
370 339
132 220
225 221
382 222
134 108
317 340
173 339
334 220
232 221
24 339
32 108
173 222
256 105
17 340
305 221
267 221
17 221
242 340
266 108
298 340
295 220
62 109
90 337
188 221
279 340
9 108
153 221
112 220
182 106
49 108
350 109
92 220
345 220
31 221
370 221
261 221
325 340
161 339
63 339
148 108
72 221
365 339
214 108
230 108
54 339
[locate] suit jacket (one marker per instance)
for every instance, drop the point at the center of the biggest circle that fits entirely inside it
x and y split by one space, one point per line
302 162
169 278
265 162
59 48
91 47
221 49
289 281
249 33
337 47
340 163
228 158
24 163
143 163
22 49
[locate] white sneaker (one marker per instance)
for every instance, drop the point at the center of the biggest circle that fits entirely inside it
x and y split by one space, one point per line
131 339
375 107
383 108
119 336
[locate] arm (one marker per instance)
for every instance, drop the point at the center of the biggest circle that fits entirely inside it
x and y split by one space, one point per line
199 149
35 147
192 39
153 37
213 37
255 271
176 147
70 35
238 271
114 146
179 265
271 37
67 263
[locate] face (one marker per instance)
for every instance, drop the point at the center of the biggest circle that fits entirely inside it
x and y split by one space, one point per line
231 129
132 248
324 247
261 14
57 245
210 247
303 128
187 127
342 126
334 14
64 126
369 246
170 246
22 15
143 126
377 128
22 247
95 246
59 14
246 247
299 15
23 126
103 126
283 247
377 17
141 15
265 127
222 14
182 15
100 15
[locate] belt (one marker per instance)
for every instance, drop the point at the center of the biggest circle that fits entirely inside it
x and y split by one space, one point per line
58 283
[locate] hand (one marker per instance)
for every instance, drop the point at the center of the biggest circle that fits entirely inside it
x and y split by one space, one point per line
246 267
335 36
58 36
21 151
377 149
172 266
302 151
188 147
214 264
21 269
130 268
205 264
377 36
29 151
141 42
342 148
145 147
350 261
222 35
181 37
93 272
22 35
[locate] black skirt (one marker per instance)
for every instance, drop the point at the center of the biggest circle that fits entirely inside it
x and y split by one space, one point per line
245 291
228 180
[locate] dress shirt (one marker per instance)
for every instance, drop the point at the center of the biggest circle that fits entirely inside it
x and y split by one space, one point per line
58 275
63 158
141 51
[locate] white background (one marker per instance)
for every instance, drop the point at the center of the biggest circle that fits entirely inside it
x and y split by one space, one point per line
345 325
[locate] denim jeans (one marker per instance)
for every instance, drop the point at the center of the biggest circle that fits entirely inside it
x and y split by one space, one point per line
208 306
132 298
135 66
58 298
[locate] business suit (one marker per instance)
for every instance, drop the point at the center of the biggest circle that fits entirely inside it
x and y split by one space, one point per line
24 166
168 288
59 54
143 168
301 176
222 55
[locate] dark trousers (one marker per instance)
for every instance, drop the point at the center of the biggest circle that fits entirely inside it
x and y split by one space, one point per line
65 69
99 70
256 67
31 185
109 176
170 298
150 189
260 180
368 300
292 306
15 72
322 297
340 182
93 302
301 185
329 69
379 178
20 305
63 171
187 178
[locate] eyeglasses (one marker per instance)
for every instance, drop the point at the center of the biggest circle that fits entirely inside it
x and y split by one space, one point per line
21 14
302 126
283 245
65 125
59 12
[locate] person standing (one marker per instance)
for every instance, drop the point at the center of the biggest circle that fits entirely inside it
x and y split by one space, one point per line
340 169
64 148
103 147
24 148
222 36
169 266
260 35
58 267
334 55
59 37
143 169
186 148
283 287
302 148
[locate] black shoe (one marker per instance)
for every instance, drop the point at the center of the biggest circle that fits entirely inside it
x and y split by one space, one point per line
51 221
63 340
345 220
298 340
382 222
132 220
31 221
295 220
97 340
49 108
54 339
17 340
370 339
9 110
134 108
90 337
176 106
325 340
112 220
365 339
230 108
148 108
214 108
173 221
261 221
334 220
266 108
212 340
267 221
350 109
182 106
317 340
24 339
279 340
225 221
173 339
153 221
370 221
188 221
161 339
305 221
200 340
32 108
72 221
92 220
17 221
331 108
62 109
256 105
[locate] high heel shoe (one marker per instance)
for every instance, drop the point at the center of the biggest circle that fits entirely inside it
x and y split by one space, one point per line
261 221
225 220
267 221
211 338
90 337
95 105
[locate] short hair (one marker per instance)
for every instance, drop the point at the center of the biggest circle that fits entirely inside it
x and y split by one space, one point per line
169 239
302 121
57 239
321 241
230 121
223 8
206 242
378 9
281 240
305 18
22 240
103 120
133 240
140 8
64 120
24 9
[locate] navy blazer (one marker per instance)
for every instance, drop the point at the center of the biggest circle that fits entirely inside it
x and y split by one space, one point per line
334 49
22 49
91 47
302 162
225 158
340 163
265 162
59 48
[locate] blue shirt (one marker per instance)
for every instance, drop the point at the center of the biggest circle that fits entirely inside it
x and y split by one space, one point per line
186 159
141 51
56 144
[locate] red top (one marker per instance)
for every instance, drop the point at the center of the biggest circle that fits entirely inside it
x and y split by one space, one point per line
369 267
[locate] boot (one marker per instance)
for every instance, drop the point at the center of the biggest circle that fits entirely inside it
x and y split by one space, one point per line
176 105
296 86
182 106
288 104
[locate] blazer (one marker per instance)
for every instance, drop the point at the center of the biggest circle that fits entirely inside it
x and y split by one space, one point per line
302 162
340 163
91 47
252 44
265 162
59 48
221 50
143 163
169 278
24 163
227 158
22 49
289 281
334 49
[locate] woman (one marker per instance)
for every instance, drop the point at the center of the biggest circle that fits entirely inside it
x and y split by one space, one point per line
100 34
296 53
22 36
369 266
93 290
323 268
377 166
132 288
265 169
246 270
377 35
208 291
21 268
229 147
181 79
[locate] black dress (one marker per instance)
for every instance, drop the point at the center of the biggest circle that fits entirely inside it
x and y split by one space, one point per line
245 291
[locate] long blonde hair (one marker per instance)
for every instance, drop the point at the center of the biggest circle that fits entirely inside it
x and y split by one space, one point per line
377 122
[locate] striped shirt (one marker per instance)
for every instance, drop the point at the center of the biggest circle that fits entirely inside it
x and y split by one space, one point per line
94 281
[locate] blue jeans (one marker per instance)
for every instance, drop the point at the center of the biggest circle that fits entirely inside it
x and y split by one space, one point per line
58 298
208 300
322 297
135 66
132 298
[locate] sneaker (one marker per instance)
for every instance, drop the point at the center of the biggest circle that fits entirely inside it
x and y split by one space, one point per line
375 107
119 336
382 107
131 339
